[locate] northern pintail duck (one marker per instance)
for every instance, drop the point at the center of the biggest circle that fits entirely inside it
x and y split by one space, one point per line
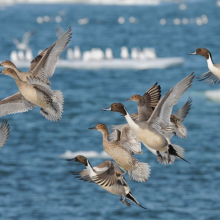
179 130
108 176
32 93
151 98
145 111
155 133
4 132
212 76
43 66
122 154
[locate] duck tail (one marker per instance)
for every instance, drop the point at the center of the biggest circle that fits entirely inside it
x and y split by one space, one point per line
59 97
131 197
54 113
162 157
140 172
177 151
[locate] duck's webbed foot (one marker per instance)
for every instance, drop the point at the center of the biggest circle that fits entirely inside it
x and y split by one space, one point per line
159 155
124 201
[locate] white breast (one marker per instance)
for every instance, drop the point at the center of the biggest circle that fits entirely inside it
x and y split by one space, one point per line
212 68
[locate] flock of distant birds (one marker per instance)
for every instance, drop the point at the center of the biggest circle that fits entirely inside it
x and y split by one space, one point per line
153 125
24 52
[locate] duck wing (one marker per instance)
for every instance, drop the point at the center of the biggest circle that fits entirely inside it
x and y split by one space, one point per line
160 118
107 173
14 104
4 132
47 63
183 112
83 175
127 138
152 95
210 77
36 60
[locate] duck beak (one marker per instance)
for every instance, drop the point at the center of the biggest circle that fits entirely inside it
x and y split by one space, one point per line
0 64
107 109
71 159
93 128
128 99
194 53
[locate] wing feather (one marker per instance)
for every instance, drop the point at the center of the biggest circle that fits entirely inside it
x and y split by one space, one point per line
14 104
160 118
107 177
4 132
47 63
183 112
152 95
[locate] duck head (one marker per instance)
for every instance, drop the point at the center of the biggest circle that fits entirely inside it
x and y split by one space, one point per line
9 72
8 64
203 52
134 98
116 107
80 159
100 127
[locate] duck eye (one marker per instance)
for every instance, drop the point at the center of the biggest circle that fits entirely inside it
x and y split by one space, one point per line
116 105
6 62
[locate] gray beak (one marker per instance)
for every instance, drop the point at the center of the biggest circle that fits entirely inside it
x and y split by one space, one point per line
194 53
1 72
128 99
93 128
71 159
107 109
0 64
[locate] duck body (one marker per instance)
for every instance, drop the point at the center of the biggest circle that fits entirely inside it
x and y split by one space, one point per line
120 154
148 135
108 176
32 93
123 156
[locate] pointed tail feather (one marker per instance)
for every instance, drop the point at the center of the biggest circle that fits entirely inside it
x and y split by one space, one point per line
177 151
140 172
131 197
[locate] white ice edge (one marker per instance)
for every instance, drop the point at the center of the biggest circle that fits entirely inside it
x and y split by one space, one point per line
89 154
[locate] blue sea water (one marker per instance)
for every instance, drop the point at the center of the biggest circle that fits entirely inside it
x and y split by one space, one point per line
35 182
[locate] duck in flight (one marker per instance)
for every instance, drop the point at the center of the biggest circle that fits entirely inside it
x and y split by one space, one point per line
213 75
156 132
108 176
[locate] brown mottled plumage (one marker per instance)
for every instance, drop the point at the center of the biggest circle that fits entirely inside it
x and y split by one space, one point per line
32 93
123 157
